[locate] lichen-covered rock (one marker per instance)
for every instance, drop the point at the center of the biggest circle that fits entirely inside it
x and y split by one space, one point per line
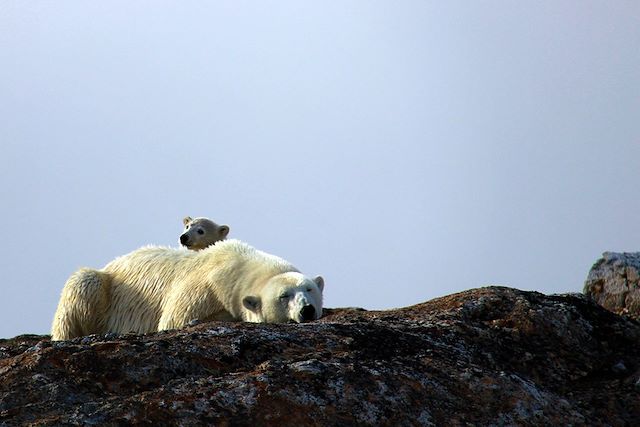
614 283
490 356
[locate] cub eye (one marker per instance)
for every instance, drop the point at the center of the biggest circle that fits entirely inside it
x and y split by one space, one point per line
200 231
309 289
284 297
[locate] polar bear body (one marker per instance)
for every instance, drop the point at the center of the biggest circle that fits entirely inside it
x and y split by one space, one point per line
142 283
200 233
158 288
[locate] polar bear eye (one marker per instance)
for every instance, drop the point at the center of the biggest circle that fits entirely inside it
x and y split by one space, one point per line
284 297
200 231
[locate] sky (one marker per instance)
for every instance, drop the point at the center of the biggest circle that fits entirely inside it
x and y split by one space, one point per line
403 150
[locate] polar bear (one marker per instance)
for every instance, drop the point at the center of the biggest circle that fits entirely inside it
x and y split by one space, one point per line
201 232
157 288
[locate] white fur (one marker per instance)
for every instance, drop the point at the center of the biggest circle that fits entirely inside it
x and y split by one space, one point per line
156 288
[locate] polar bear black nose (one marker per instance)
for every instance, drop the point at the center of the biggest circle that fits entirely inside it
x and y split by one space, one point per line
184 238
308 313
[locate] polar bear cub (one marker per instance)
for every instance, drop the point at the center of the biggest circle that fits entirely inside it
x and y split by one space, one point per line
201 232
157 288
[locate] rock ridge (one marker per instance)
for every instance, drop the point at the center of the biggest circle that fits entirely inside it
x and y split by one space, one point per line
487 356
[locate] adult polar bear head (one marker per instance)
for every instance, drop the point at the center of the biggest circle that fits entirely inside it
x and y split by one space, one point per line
285 297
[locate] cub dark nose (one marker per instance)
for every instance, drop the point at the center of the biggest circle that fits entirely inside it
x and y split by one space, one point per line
308 313
184 239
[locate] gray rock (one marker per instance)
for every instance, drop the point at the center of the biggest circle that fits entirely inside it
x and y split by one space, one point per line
614 283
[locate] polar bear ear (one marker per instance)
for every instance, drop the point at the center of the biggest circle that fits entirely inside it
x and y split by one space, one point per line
251 303
223 230
320 282
187 220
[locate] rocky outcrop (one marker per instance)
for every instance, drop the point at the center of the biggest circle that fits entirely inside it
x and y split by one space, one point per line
490 356
614 283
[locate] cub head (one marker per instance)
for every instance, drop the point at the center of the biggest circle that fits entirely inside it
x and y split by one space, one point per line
200 233
286 297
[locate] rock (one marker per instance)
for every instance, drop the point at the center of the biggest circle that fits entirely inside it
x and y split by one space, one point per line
614 283
490 356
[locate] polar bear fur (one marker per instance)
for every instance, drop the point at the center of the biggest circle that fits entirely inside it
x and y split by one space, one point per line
200 233
157 288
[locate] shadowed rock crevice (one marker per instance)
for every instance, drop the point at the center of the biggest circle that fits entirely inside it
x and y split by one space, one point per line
485 356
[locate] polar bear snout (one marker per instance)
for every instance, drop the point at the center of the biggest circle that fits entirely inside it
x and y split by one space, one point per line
184 239
308 313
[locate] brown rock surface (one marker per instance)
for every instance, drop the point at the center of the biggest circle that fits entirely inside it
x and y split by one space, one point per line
614 283
490 356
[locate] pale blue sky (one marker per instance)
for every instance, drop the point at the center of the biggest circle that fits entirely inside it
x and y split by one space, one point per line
404 150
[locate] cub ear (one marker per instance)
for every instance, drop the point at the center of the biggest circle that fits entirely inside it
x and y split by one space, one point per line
223 230
251 303
187 220
320 282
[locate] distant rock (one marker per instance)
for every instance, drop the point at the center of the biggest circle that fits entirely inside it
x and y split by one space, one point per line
490 356
614 283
